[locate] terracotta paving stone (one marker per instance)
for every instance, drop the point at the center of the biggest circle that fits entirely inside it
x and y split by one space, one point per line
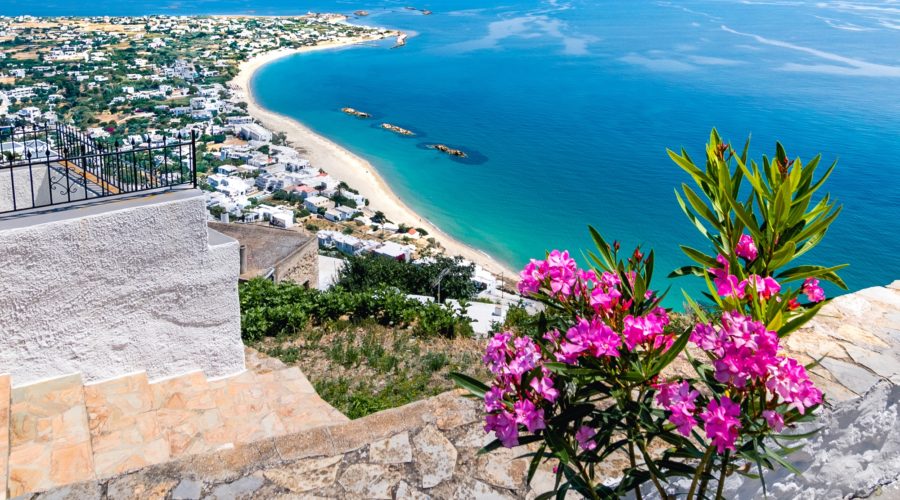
186 413
62 432
125 433
49 436
4 427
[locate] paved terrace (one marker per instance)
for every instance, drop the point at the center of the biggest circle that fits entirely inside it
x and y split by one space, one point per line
428 449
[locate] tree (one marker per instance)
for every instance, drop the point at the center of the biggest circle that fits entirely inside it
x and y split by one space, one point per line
451 275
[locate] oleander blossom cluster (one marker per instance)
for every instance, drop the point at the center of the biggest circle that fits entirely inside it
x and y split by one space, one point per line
524 390
521 390
728 285
746 360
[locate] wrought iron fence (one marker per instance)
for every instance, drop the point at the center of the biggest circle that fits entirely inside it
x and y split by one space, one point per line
49 165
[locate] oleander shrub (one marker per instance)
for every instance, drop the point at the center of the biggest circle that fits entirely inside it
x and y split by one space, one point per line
591 377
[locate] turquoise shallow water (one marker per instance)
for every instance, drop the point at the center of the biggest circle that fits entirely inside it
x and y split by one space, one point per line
570 108
570 105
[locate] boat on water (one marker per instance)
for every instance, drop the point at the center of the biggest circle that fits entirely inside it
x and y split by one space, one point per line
396 129
447 149
361 13
356 113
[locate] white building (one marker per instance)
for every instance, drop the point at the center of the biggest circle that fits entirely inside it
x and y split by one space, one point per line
395 251
254 132
314 203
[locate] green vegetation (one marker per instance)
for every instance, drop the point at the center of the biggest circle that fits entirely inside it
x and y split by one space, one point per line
269 309
364 351
369 271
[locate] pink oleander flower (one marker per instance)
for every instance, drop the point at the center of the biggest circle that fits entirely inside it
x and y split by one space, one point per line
493 400
721 423
709 338
766 287
604 299
504 426
813 291
552 336
585 437
561 270
532 276
664 392
543 386
746 248
679 398
647 329
744 349
585 281
529 415
788 379
495 354
610 280
727 285
774 419
593 337
526 357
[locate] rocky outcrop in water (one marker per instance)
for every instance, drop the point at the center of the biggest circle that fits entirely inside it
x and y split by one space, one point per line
447 149
356 113
396 129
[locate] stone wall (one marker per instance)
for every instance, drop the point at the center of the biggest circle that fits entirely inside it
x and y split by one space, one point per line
302 267
429 449
292 253
118 286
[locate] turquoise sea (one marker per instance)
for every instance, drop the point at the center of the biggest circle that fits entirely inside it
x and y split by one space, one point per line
569 106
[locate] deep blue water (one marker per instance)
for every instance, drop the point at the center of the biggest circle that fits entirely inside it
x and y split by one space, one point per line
571 104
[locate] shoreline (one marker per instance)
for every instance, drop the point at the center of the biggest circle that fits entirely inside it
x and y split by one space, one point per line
343 165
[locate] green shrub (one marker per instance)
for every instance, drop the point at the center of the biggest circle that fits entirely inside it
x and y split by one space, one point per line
269 310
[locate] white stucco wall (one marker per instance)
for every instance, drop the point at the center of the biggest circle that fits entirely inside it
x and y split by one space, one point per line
118 287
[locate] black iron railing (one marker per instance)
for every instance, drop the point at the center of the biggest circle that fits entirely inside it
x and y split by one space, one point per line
49 165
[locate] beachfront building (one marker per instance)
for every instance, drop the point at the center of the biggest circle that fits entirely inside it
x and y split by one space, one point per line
395 251
254 132
340 214
345 243
314 203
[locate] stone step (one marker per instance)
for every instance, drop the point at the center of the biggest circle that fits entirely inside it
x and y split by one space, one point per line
50 440
187 414
63 432
125 432
260 405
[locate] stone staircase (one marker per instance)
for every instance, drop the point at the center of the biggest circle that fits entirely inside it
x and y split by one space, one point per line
62 431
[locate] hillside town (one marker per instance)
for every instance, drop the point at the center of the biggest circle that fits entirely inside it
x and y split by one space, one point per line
131 82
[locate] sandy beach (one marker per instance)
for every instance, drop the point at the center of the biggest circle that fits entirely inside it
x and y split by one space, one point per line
346 166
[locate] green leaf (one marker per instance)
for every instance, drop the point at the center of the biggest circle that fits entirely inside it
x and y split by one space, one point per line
699 257
690 215
687 271
532 468
666 358
470 384
799 321
784 463
604 248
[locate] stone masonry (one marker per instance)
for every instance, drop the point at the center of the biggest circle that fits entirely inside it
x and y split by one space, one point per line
429 449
